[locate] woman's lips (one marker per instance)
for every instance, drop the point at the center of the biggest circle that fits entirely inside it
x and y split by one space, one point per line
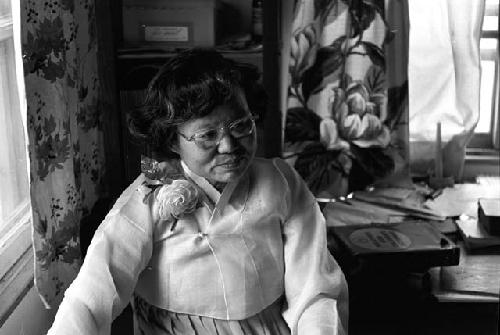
231 163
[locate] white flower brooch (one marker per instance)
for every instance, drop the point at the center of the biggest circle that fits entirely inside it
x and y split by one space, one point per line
176 199
174 195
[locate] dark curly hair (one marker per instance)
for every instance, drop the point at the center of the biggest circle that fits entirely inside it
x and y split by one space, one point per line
190 85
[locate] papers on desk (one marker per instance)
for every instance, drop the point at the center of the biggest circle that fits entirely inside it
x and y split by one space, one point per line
378 205
462 198
474 235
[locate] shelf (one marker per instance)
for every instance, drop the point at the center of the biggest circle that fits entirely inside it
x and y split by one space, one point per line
137 66
252 56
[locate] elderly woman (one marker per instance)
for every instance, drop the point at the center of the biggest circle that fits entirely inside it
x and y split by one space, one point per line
209 239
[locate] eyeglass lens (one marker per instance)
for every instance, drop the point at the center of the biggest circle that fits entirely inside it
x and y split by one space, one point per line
237 129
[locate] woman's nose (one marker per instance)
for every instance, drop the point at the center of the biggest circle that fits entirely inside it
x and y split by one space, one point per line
227 143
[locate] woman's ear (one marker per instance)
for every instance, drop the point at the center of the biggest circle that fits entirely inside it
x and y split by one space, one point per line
174 147
173 143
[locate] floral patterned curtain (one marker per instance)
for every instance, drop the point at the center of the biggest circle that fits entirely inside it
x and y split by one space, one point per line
64 130
346 123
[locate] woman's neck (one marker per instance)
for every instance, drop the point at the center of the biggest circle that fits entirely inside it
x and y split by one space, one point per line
219 186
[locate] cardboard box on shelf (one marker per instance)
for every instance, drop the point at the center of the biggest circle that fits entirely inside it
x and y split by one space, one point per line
488 213
170 24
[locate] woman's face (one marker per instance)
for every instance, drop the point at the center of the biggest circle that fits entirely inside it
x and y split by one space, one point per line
225 161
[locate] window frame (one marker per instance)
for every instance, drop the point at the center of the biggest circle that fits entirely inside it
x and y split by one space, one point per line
16 252
489 143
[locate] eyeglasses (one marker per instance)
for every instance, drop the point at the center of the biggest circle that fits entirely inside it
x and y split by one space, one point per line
209 138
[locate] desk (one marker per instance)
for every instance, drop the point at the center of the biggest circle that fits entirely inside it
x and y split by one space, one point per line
458 300
475 279
467 295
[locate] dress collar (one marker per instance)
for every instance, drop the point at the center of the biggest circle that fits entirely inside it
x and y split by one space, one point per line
212 193
219 199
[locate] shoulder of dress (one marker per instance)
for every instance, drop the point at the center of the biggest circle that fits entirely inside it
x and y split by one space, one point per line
267 165
275 167
134 203
270 174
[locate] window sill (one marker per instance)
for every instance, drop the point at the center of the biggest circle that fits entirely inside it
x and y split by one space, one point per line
480 162
483 152
15 285
16 265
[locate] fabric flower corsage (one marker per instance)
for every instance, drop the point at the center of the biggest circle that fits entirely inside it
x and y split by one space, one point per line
176 199
174 195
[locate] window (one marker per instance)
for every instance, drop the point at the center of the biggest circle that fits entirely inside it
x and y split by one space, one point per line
15 212
487 132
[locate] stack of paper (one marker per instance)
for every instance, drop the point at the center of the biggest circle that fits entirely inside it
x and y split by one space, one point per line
462 198
474 235
378 205
489 215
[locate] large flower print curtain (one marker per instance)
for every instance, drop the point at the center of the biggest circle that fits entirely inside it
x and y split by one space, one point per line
65 136
346 123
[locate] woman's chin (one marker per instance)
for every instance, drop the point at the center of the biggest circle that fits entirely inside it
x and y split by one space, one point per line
225 173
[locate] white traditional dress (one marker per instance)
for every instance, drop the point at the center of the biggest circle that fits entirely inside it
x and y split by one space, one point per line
252 260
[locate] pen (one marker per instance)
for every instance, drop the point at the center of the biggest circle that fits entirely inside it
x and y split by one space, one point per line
436 193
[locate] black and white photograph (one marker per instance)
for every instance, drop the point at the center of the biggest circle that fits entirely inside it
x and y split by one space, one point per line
249 167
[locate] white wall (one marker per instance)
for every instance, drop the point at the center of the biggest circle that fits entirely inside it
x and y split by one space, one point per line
29 318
